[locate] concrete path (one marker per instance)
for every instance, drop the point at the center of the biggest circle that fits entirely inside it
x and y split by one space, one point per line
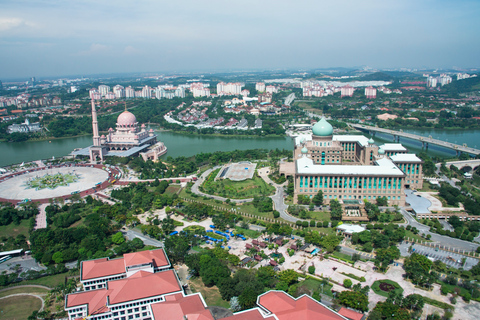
41 219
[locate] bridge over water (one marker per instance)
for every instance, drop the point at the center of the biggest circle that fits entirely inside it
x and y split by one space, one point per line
424 140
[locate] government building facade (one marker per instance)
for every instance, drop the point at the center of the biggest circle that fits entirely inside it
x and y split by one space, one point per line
351 168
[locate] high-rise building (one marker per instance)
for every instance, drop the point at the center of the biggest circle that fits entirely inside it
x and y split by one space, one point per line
129 92
147 92
370 92
346 91
431 82
229 88
103 89
119 91
260 86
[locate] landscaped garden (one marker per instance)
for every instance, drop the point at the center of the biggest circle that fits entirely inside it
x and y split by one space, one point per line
52 181
237 189
383 287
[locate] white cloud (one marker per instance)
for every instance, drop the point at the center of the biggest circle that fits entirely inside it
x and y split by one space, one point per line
95 48
130 50
10 23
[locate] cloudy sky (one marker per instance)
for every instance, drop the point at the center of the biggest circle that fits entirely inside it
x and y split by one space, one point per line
82 37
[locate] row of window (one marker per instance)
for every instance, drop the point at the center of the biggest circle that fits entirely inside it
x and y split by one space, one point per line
86 283
350 182
357 197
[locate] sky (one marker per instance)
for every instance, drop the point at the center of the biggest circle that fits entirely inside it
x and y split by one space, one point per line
82 37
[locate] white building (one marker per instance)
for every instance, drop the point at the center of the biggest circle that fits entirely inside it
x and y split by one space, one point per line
260 86
119 91
129 92
231 88
370 92
103 89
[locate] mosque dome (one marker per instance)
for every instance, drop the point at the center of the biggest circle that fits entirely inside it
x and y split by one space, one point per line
381 151
126 118
322 128
302 141
370 141
304 150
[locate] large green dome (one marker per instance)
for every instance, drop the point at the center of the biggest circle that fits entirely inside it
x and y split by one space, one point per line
322 128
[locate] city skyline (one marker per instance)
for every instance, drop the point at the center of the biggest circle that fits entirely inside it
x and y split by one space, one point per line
54 38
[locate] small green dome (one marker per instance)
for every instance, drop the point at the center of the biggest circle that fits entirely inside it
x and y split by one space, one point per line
370 141
304 150
381 151
322 128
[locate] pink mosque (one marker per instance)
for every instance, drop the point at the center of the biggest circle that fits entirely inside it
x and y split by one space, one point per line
129 139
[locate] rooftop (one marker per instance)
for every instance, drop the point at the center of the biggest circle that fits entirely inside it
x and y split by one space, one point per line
405 157
285 307
350 228
384 167
157 257
393 147
103 267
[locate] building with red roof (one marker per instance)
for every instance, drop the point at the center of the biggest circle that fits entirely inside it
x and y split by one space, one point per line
94 274
124 297
146 291
351 314
285 307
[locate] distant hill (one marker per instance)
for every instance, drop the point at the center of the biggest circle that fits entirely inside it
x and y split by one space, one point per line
465 85
378 76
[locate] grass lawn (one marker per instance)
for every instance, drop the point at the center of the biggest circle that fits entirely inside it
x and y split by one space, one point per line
249 233
172 189
377 290
319 215
14 230
342 256
15 290
327 231
239 189
427 187
411 235
19 307
211 295
48 281
314 284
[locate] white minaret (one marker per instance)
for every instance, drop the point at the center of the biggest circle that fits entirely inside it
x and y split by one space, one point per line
96 137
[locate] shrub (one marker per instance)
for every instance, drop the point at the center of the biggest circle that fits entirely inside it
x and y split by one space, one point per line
276 214
305 224
325 225
313 223
444 290
347 283
311 270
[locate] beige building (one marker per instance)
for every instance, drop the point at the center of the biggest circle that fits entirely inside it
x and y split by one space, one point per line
351 168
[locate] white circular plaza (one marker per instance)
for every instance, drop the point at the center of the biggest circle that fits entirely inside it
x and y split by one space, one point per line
17 188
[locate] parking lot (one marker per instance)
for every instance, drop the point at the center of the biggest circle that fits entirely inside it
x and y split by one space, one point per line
449 258
26 263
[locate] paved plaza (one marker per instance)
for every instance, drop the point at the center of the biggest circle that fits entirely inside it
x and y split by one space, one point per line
16 187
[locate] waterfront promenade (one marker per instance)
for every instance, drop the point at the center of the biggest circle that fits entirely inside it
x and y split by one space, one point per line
424 140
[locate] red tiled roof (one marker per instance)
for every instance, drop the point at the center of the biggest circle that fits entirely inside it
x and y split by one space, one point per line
157 256
143 285
177 306
350 314
96 300
252 314
138 286
287 308
101 268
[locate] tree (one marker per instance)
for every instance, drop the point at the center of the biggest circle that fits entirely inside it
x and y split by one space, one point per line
288 276
335 209
347 283
303 199
417 268
382 201
353 299
311 269
118 238
177 248
330 242
385 256
235 304
318 198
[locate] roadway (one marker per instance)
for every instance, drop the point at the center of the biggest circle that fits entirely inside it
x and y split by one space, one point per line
427 140
131 234
289 99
